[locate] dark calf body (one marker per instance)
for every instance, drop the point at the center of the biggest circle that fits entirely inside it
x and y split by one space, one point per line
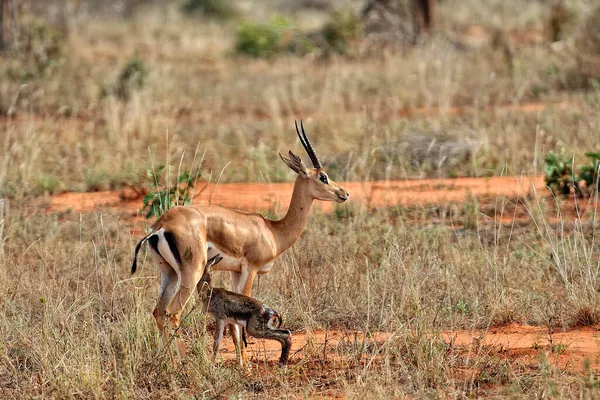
225 306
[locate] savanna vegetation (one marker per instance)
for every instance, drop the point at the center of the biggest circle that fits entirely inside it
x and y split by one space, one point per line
158 96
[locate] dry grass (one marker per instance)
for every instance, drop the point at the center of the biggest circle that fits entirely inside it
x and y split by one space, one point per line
73 323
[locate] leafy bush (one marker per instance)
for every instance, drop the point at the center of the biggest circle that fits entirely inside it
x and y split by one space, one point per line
132 77
560 177
258 39
559 173
589 173
163 197
255 39
341 29
218 9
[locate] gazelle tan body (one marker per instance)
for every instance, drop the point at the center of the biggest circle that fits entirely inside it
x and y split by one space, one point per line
183 238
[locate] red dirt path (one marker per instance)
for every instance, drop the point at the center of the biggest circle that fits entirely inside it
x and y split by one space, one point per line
529 344
276 196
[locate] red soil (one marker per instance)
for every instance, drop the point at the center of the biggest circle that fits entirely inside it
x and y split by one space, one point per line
529 345
276 196
564 349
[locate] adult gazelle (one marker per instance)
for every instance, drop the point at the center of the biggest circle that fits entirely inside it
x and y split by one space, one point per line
183 238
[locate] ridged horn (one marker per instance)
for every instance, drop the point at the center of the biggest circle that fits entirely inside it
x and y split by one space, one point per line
307 146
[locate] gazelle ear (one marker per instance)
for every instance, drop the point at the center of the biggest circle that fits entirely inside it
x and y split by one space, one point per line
295 163
213 260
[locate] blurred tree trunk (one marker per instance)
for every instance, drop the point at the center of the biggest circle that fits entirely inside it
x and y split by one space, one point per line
7 24
420 13
2 25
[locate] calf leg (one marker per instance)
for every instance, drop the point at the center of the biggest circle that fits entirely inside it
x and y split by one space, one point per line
260 330
219 330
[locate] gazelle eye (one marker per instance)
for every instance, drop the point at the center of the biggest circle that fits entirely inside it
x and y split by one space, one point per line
323 178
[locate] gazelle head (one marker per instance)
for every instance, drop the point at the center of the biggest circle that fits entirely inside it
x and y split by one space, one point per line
206 277
320 186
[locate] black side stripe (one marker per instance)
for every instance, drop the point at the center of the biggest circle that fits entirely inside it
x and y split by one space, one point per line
170 238
153 242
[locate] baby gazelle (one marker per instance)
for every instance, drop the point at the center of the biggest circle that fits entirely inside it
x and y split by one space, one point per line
228 307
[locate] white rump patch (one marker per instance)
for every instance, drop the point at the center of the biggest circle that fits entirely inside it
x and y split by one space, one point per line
167 254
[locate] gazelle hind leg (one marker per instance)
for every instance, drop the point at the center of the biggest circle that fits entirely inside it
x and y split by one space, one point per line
168 286
189 265
187 284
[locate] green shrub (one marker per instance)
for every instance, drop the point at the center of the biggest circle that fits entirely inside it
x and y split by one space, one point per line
589 173
342 28
560 177
257 39
559 173
218 9
132 77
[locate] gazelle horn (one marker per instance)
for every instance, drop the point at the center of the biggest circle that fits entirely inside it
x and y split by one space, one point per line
307 146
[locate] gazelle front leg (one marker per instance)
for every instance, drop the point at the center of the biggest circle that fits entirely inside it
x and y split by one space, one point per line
245 287
247 281
240 348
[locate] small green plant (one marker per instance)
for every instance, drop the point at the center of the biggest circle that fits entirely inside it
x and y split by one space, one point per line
462 306
163 197
559 173
589 173
560 348
132 77
217 9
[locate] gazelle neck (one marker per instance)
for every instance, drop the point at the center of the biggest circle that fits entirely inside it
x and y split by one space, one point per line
205 285
288 229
